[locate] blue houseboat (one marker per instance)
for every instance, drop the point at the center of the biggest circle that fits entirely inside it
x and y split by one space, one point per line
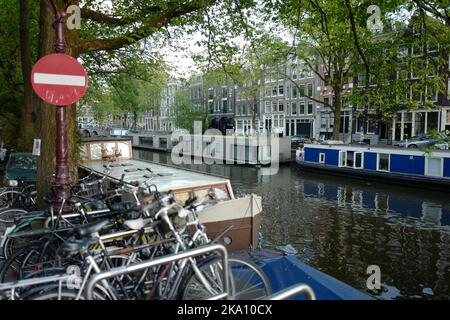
391 165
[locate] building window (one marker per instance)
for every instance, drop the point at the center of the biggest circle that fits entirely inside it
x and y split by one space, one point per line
274 106
432 46
383 162
294 109
274 91
267 107
280 106
345 122
416 50
310 90
310 107
302 108
294 91
361 79
268 91
224 105
447 119
302 90
281 90
402 52
431 95
321 157
288 108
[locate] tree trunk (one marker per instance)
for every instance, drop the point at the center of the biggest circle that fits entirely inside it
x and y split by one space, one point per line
135 120
337 113
47 115
28 109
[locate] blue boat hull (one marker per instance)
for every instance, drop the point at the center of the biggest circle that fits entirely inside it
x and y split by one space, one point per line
285 271
385 177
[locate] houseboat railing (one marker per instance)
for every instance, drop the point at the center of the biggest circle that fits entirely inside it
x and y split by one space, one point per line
292 291
114 272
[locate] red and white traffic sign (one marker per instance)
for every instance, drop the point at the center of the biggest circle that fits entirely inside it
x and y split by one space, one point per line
59 79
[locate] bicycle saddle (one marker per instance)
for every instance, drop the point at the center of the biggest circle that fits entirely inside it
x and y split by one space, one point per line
74 246
135 224
91 228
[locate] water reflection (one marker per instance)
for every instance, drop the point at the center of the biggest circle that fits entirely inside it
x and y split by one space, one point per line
341 226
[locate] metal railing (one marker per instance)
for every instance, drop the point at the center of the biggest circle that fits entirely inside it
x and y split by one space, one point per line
12 286
114 272
292 291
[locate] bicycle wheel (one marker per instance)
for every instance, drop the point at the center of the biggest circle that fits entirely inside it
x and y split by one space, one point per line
247 281
13 244
55 294
11 269
9 215
11 198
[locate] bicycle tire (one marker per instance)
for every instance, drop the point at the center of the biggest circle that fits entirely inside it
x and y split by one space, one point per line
13 244
9 215
11 198
55 294
247 281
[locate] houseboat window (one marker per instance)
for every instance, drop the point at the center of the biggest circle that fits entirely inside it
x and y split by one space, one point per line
434 167
358 160
181 197
383 161
350 160
83 152
124 149
109 147
221 193
342 158
322 158
96 151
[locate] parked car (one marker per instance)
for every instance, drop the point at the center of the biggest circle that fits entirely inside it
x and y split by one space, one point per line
298 140
20 166
424 140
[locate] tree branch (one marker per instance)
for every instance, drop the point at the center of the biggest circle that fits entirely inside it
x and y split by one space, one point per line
355 36
151 26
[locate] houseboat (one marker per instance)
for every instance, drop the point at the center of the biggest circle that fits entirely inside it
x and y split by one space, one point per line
404 166
244 214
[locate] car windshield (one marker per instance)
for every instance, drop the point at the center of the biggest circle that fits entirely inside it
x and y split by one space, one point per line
23 162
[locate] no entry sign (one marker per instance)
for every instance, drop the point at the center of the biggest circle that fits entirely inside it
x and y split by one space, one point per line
59 79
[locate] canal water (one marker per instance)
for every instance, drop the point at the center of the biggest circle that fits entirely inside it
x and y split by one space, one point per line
342 226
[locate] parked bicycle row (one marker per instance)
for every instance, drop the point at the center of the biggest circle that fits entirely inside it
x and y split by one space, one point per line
55 253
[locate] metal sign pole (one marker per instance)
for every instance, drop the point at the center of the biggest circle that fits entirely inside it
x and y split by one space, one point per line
61 180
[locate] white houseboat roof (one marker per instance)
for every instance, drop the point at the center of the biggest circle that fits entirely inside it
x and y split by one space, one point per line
163 176
380 149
